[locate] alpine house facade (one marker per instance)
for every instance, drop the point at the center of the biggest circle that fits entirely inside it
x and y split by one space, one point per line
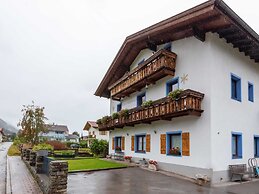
206 59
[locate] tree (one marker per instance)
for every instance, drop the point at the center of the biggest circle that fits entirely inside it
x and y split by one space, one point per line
32 123
76 133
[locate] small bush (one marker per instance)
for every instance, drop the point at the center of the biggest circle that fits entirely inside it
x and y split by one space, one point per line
13 151
57 145
83 144
43 146
99 147
18 140
68 144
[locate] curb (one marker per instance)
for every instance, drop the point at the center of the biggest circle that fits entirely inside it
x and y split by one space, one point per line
8 178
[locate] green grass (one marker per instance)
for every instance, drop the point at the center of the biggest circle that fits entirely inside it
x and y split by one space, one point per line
92 164
13 151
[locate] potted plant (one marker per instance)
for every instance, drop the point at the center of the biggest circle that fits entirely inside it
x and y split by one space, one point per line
175 151
99 122
127 158
105 120
43 149
124 113
152 164
147 103
115 117
174 95
118 149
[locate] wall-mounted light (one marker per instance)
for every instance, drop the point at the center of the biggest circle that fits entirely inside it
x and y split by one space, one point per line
146 87
155 131
127 134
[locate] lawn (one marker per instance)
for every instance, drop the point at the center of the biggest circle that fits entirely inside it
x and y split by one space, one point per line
92 164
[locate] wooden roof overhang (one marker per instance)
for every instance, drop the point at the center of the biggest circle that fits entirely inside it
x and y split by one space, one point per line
212 16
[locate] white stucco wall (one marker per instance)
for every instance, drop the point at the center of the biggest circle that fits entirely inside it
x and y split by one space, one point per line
229 115
197 65
209 65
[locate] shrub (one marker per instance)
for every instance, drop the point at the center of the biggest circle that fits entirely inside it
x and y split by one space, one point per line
68 144
57 145
13 151
115 115
83 144
175 94
43 146
124 113
147 103
18 140
99 147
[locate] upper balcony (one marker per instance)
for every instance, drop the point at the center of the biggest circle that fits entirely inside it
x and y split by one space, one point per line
159 65
188 103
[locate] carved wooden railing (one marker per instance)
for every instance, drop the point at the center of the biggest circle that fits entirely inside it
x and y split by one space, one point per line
189 103
159 65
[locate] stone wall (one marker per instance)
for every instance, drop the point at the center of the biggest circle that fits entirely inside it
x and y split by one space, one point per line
52 182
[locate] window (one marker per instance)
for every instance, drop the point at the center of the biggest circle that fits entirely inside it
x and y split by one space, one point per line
235 87
172 85
256 146
236 145
174 144
102 132
140 143
250 92
117 144
119 107
141 98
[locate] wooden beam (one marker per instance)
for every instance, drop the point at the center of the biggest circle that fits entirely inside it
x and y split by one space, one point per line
199 34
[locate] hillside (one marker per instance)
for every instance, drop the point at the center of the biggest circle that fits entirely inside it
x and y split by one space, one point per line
8 129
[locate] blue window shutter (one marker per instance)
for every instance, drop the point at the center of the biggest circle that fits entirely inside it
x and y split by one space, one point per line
239 90
250 92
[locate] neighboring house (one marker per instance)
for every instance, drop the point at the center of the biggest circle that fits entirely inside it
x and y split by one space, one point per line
1 134
94 133
212 55
72 138
55 132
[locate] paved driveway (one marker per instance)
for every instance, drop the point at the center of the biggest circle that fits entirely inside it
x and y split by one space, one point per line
136 180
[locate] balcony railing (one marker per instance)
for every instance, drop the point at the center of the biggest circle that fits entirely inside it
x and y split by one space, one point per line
189 103
159 65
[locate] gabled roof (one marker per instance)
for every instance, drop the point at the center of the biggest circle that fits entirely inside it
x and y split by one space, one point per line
212 16
90 124
60 128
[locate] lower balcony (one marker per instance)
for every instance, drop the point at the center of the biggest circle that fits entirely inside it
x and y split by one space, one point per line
188 103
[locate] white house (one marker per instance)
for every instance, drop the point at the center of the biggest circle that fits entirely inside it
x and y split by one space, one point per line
55 132
93 132
72 138
211 54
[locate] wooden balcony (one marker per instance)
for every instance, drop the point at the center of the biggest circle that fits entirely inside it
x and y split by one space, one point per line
159 65
189 103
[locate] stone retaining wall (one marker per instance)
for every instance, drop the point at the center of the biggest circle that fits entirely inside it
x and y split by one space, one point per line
56 181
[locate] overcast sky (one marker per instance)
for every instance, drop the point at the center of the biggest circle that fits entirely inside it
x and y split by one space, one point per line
56 52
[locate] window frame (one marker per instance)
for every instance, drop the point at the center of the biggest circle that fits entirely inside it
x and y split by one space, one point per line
168 142
250 92
238 146
116 142
136 145
256 146
170 83
140 96
236 93
119 107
